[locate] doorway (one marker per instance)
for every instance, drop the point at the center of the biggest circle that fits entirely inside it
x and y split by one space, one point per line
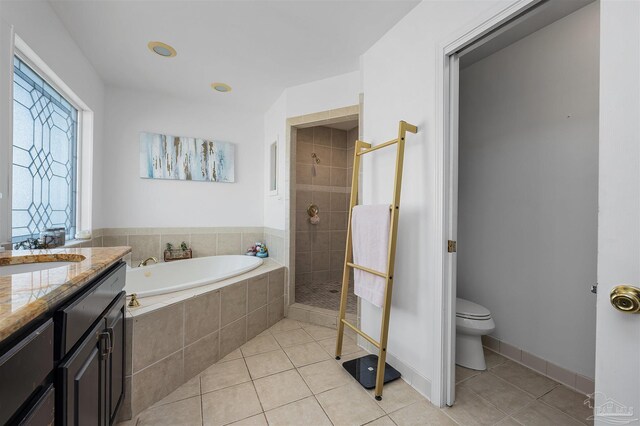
321 161
522 185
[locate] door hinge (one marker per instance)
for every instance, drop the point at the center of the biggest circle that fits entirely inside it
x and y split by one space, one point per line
594 288
451 247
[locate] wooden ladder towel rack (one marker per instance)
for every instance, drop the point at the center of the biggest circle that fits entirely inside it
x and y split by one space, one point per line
362 148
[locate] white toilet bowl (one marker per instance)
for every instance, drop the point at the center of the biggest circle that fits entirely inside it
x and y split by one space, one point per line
472 322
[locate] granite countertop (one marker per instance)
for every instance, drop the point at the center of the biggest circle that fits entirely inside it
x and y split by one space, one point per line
25 297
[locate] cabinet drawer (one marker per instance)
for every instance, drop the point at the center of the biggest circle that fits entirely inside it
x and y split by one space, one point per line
43 411
75 319
26 367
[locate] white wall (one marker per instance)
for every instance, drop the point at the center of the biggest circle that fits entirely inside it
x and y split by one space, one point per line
131 201
322 95
528 188
36 23
399 83
275 131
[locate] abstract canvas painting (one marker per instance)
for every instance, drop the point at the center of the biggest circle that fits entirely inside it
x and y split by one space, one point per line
174 157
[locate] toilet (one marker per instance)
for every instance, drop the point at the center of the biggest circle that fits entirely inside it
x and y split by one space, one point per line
472 322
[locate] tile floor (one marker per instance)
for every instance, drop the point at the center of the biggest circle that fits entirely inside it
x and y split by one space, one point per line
510 394
287 376
325 295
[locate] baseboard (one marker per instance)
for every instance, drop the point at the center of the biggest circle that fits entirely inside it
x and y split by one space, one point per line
410 375
571 379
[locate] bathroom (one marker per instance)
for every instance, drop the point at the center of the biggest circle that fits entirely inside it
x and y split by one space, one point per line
199 157
527 205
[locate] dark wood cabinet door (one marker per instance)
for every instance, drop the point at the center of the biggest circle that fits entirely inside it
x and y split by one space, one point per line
83 381
115 365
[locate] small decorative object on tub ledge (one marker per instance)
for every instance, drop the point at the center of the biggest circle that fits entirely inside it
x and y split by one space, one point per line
262 250
184 252
258 249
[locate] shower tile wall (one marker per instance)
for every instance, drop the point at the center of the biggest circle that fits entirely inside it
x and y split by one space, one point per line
320 248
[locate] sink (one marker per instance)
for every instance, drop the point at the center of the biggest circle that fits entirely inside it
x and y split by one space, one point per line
32 267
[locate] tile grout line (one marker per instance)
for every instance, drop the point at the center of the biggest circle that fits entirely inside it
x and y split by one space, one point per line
556 383
201 400
562 412
254 389
450 417
489 402
321 407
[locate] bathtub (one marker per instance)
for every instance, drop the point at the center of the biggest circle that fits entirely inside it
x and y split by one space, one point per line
201 310
179 275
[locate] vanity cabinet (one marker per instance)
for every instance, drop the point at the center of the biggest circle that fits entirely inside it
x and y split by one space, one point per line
70 369
26 371
90 375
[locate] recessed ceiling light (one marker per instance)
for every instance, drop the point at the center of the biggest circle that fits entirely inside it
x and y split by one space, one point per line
221 87
162 49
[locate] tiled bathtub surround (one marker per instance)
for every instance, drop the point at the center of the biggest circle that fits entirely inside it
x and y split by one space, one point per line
274 238
173 337
150 242
575 381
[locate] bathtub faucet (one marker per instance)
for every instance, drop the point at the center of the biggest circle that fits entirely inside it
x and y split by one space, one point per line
144 262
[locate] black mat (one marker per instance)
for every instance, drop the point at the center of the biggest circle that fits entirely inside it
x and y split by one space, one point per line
364 370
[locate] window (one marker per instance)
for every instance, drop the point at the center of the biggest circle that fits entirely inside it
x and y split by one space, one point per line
45 157
273 168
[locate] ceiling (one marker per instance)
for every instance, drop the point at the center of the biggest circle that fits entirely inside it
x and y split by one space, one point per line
544 13
257 47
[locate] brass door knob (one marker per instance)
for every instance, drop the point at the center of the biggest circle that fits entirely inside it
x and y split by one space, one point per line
626 298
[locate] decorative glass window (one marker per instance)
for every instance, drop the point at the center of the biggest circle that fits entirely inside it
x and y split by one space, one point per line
45 142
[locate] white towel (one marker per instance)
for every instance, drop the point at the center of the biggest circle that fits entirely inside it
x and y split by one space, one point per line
370 236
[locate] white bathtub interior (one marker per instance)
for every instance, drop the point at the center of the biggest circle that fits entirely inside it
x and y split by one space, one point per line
170 277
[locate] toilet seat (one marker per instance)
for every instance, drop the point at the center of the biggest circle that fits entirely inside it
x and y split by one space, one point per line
469 310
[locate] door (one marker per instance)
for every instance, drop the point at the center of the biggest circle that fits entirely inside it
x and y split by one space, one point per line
93 375
115 363
452 229
617 396
83 375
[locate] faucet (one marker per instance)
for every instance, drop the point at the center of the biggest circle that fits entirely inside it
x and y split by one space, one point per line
144 262
134 303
